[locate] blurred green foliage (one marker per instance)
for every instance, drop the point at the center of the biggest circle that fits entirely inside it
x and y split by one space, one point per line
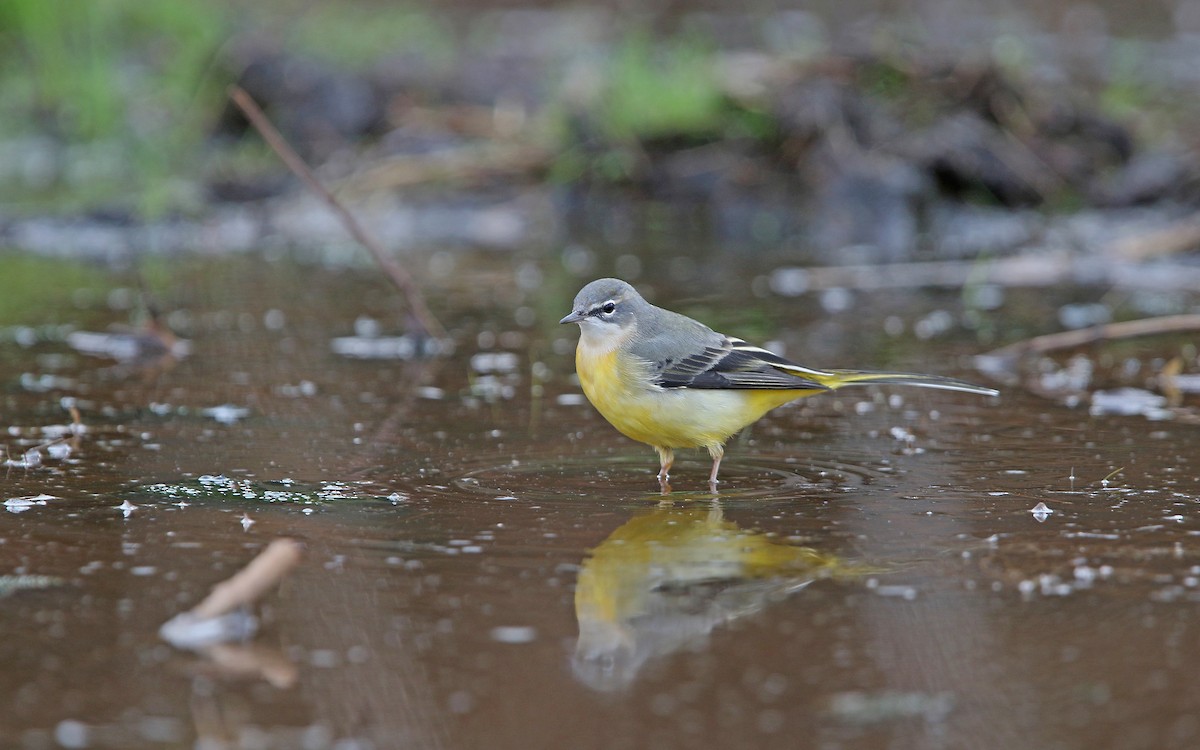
356 37
1131 94
662 88
109 104
118 91
46 289
652 91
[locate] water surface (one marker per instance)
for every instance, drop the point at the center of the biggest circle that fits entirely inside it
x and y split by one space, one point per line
489 564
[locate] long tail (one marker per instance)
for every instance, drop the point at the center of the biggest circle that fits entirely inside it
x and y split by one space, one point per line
834 379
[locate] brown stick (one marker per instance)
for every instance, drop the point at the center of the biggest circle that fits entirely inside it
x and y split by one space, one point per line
1179 237
252 581
1108 332
393 270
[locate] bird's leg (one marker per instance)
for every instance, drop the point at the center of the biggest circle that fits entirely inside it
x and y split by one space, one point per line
715 514
717 452
666 459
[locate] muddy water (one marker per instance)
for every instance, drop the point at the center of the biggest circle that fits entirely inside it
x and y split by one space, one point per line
490 565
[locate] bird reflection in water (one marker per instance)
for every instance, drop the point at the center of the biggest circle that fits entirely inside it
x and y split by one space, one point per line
666 578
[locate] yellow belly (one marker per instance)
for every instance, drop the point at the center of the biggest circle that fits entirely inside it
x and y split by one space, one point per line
670 417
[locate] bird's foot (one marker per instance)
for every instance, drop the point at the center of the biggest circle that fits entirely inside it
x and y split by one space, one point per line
664 483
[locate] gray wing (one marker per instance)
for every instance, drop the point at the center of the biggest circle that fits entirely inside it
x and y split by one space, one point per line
696 356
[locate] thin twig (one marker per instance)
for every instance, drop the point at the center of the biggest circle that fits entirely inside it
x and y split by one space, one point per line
393 270
1107 332
1174 239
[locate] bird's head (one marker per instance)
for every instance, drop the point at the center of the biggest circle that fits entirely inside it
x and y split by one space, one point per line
606 309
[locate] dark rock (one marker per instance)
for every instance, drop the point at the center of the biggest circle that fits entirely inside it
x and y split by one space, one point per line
246 189
814 108
1149 177
969 156
318 108
990 93
1078 144
1112 141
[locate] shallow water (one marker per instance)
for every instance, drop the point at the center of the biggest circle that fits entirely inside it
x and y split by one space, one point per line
489 564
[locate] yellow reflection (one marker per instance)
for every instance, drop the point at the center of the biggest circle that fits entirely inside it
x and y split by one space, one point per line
666 578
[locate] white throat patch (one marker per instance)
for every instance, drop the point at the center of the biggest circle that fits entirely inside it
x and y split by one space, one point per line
601 337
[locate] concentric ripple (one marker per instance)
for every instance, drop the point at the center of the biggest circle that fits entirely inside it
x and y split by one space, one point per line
547 479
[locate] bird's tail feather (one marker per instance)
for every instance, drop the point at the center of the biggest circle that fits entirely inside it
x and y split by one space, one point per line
835 379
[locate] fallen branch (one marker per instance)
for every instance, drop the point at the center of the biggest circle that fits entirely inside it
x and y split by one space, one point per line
251 582
211 621
1093 334
393 270
1179 237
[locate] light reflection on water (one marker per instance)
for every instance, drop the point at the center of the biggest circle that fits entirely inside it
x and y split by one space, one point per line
489 564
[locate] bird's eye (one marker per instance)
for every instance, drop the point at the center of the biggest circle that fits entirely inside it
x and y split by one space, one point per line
609 308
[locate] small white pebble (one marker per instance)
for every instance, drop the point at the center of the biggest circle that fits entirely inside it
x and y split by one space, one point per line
72 734
514 634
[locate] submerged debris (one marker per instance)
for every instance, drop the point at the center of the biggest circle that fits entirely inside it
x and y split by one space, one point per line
1041 512
513 634
221 487
226 413
129 346
859 707
54 440
387 347
907 439
10 585
1130 402
22 504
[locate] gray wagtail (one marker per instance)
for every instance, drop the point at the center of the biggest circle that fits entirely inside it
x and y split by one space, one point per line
664 379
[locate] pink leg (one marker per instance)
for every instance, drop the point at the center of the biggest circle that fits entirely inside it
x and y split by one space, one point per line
717 452
666 458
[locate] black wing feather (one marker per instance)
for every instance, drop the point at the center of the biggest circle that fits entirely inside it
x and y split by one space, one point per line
734 365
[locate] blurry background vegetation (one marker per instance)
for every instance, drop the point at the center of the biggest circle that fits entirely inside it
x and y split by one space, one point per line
114 103
110 102
103 99
119 105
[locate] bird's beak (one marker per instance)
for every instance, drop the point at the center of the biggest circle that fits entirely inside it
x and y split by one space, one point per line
574 317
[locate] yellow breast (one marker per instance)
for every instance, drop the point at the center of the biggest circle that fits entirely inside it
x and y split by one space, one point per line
622 390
